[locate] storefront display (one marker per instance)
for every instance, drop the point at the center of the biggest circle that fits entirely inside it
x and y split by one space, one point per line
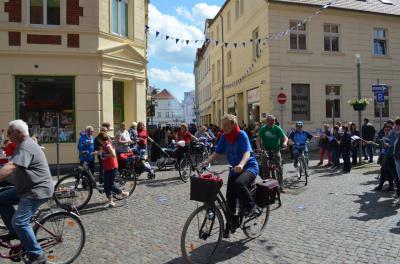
253 105
41 101
231 105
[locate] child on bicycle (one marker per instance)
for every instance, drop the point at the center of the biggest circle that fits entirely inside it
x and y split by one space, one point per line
110 166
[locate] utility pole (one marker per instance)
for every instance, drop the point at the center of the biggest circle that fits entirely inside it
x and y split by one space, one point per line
358 63
222 66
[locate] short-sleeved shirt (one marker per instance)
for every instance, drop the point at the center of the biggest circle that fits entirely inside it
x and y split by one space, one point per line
300 137
109 163
184 136
32 178
235 151
124 136
271 137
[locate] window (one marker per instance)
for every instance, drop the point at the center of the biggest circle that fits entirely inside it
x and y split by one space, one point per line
118 102
166 114
169 104
120 17
331 37
380 41
218 70
213 73
159 114
228 18
40 100
385 109
301 102
229 62
332 92
298 36
256 44
44 12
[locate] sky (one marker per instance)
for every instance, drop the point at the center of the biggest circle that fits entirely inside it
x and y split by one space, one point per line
170 64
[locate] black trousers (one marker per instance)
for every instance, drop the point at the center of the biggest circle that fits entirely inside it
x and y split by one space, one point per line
238 187
346 160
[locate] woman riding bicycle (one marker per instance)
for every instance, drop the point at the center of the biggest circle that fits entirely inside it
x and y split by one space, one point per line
183 135
235 143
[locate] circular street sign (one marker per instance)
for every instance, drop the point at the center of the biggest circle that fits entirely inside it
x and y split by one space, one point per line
282 98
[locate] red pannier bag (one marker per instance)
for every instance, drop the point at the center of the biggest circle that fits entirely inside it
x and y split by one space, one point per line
267 193
205 188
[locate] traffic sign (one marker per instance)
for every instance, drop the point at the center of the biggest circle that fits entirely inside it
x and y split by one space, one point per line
376 88
282 98
380 97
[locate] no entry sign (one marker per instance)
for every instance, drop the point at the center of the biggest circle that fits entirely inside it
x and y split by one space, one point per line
282 98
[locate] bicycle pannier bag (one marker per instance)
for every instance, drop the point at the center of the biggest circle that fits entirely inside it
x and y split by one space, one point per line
267 192
205 188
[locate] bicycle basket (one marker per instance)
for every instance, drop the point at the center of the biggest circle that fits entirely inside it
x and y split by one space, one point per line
205 188
267 192
66 197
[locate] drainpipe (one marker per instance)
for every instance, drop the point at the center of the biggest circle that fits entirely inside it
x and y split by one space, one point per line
223 65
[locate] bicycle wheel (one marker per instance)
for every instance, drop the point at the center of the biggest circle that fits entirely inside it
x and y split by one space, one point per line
78 186
300 168
254 226
62 237
202 234
204 156
126 180
185 169
305 170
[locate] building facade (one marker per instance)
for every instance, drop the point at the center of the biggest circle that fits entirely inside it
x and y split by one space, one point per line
168 110
81 62
189 107
314 65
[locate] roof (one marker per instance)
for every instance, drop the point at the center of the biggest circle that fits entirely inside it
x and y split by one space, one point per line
371 6
164 94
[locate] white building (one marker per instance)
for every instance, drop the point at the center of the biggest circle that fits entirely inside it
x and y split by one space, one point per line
168 109
189 107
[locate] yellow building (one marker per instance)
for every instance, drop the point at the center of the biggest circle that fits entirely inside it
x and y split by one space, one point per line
81 61
314 64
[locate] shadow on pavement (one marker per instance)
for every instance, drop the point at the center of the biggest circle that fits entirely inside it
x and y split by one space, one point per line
161 182
396 230
374 172
372 208
226 250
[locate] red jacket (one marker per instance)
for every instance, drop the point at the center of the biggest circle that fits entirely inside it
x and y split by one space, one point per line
142 134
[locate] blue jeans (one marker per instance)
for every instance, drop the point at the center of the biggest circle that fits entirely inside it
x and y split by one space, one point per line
296 152
109 185
18 222
368 153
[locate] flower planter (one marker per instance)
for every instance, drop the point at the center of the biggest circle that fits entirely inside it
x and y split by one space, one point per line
359 107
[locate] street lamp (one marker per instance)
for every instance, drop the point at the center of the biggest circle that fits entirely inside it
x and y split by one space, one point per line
358 63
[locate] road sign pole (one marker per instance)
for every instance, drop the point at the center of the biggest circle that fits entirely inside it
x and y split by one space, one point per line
281 121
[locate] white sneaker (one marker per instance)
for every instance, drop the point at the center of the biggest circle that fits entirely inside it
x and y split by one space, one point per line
109 205
397 201
122 195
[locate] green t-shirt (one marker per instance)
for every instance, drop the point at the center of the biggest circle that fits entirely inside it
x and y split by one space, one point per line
271 137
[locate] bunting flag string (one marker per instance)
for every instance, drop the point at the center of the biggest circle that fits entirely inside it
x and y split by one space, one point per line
235 44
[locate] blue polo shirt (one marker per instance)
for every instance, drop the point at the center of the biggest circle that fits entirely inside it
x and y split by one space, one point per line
234 152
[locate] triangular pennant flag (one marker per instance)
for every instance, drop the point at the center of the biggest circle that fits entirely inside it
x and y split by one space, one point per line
166 37
207 40
235 44
196 41
244 44
251 40
157 33
226 45
187 42
147 27
216 43
259 41
176 41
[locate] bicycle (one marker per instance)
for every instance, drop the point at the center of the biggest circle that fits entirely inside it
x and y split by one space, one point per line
302 166
201 240
55 232
82 182
273 169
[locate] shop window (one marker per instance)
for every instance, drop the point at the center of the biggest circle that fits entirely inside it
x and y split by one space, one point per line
46 12
118 103
301 102
298 35
120 17
40 101
385 109
332 94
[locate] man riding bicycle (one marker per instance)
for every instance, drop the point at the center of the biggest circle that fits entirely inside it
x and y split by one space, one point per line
29 171
299 139
272 137
236 145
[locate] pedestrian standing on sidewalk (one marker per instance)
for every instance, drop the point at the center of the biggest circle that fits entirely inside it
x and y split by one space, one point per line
355 143
368 134
110 164
97 148
388 165
345 149
323 146
334 146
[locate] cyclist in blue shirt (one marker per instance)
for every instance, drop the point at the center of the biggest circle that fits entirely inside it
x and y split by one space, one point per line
299 138
86 148
236 145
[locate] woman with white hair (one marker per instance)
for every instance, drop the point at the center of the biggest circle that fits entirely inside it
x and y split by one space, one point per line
236 145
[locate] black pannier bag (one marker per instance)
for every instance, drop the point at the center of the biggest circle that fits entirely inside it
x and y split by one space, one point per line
205 188
267 193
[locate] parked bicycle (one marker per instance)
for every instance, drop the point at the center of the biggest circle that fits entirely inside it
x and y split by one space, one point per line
60 234
203 230
187 165
82 182
269 166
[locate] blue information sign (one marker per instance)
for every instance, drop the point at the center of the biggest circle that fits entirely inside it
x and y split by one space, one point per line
376 88
380 97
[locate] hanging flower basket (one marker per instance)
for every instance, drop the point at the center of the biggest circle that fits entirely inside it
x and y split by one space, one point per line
359 104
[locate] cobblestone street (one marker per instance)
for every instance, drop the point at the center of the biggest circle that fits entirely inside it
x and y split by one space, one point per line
335 219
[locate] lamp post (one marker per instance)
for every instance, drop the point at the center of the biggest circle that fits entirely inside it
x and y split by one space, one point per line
358 64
